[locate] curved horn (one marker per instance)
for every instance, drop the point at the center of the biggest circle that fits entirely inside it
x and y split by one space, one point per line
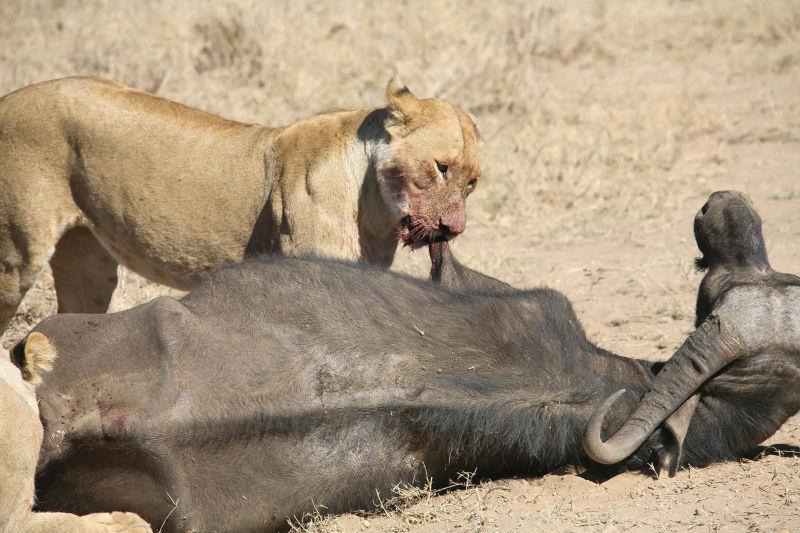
706 351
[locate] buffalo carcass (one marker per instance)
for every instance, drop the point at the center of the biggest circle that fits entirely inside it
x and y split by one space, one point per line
285 384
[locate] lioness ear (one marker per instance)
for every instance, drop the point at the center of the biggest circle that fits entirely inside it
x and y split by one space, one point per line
403 106
478 133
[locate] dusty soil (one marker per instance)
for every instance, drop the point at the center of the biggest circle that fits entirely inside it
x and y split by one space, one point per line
606 125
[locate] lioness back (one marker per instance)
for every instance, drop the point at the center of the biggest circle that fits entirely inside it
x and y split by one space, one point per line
154 179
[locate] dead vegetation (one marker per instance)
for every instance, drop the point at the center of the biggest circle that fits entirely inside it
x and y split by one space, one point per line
606 124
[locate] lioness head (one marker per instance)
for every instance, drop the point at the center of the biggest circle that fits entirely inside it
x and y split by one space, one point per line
428 167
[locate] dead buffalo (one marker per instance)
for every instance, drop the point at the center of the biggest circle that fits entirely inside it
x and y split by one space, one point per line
287 383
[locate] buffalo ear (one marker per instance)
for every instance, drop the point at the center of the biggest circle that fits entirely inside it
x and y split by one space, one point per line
403 107
700 264
677 426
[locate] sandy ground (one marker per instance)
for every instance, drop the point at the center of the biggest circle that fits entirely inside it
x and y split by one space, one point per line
606 125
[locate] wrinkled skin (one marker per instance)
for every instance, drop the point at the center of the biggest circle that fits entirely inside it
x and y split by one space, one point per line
95 174
287 384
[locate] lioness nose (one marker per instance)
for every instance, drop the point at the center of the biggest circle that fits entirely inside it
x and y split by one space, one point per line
453 224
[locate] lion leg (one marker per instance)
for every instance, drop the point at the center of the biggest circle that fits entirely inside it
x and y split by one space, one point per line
22 259
84 273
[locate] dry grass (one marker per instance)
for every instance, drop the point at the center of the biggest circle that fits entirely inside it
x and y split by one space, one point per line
606 124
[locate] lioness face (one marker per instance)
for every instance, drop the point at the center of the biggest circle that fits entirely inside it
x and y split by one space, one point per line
428 167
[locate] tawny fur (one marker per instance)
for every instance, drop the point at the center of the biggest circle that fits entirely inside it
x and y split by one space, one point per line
93 173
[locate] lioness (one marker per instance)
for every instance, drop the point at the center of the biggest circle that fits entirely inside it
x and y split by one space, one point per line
20 439
93 173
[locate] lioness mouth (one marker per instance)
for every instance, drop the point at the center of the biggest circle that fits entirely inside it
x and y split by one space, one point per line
414 233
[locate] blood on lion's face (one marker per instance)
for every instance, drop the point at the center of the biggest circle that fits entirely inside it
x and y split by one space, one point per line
427 167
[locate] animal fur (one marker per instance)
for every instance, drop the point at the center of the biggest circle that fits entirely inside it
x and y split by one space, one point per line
95 174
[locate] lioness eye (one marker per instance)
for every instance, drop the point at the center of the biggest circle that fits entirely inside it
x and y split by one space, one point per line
441 166
472 183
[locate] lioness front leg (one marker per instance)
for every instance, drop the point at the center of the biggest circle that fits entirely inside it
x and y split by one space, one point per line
22 259
36 204
84 273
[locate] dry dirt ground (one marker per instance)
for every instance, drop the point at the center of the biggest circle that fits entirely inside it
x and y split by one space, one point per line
606 125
